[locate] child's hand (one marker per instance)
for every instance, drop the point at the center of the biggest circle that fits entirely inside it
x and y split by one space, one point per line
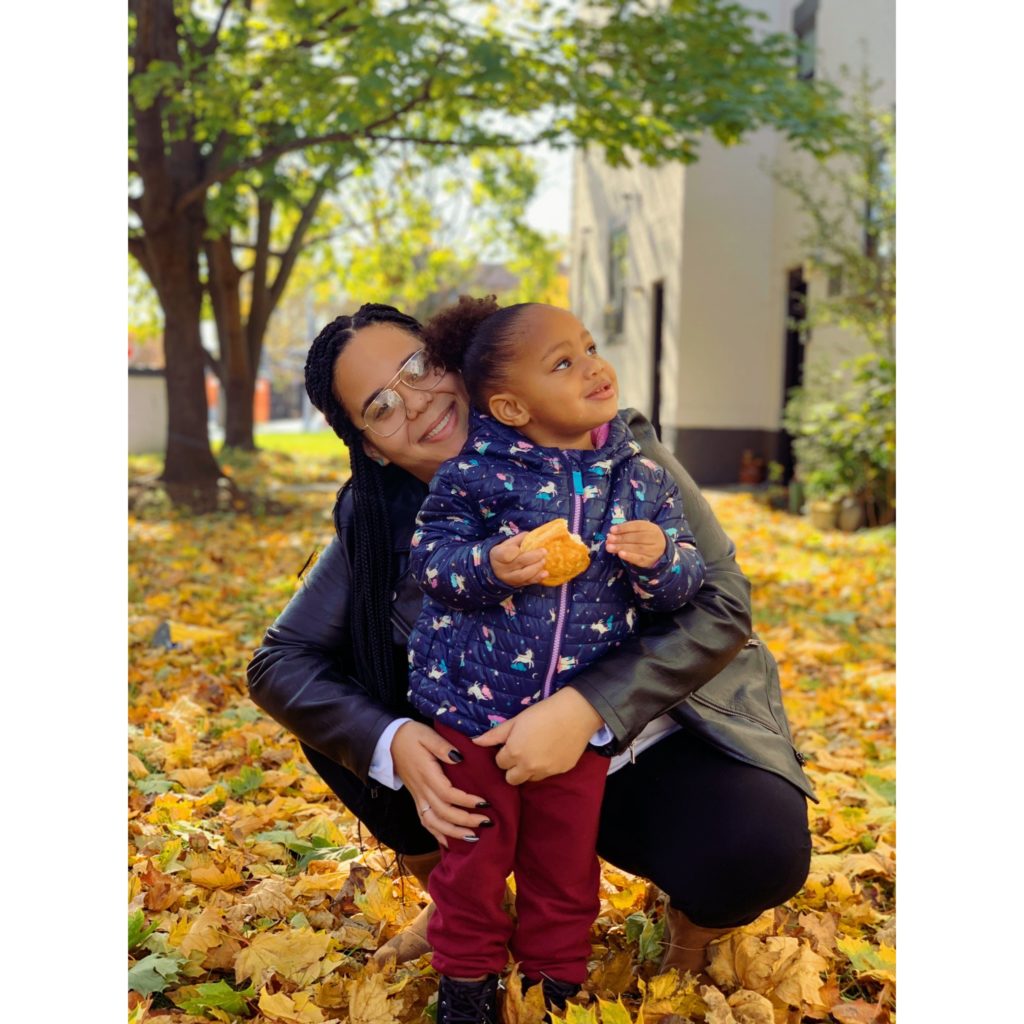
517 568
640 542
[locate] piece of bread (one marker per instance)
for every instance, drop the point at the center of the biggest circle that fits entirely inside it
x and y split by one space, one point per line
567 556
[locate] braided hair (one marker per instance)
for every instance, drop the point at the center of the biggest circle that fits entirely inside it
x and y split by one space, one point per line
477 337
371 630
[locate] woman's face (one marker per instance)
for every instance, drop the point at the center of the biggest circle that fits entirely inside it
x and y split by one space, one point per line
437 421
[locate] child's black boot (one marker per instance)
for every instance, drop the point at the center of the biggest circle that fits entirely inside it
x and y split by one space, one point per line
555 992
468 1002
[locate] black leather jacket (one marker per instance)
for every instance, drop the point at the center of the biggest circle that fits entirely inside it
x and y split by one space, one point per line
700 663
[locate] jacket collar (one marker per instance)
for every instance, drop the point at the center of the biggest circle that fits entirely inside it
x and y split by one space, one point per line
494 440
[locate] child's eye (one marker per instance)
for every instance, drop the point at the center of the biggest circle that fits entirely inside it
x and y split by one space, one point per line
592 350
562 363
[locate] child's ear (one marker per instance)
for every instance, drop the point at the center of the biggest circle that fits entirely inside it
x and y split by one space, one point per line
506 408
374 452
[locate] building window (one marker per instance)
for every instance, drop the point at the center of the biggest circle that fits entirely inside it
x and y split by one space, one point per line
878 225
615 308
805 19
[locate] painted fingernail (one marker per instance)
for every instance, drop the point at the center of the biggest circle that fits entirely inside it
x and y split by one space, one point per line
456 756
483 803
471 839
486 823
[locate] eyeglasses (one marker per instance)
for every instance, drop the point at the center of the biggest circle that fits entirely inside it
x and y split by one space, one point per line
385 415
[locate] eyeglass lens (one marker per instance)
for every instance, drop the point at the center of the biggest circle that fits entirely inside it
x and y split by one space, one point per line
386 413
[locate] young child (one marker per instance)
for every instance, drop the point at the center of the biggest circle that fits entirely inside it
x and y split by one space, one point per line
545 442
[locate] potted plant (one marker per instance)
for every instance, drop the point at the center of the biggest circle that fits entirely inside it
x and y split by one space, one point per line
823 492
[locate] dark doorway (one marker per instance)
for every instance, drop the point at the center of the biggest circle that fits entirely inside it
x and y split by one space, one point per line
796 309
657 344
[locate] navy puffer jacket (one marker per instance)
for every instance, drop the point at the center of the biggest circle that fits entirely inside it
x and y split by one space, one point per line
482 651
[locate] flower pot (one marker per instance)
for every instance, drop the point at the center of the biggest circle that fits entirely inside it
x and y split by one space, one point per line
823 514
851 515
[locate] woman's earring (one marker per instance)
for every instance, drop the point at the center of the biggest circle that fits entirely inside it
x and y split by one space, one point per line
380 460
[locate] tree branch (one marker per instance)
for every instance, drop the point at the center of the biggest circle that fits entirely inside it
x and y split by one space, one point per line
215 365
137 248
197 192
327 180
259 301
210 46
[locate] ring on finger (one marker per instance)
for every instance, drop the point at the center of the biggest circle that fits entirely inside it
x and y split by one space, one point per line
424 809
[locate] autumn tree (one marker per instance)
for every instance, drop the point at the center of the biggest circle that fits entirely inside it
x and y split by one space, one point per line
221 93
843 417
415 235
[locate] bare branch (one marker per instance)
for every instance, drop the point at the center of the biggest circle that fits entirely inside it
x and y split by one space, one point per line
327 180
210 46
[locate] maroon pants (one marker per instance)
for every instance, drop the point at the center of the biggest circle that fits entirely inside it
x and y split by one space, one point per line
546 833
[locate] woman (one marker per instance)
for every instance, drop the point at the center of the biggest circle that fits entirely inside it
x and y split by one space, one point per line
708 802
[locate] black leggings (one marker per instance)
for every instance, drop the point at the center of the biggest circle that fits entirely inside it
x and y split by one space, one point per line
725 840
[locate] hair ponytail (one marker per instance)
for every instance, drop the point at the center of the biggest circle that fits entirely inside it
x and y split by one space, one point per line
475 337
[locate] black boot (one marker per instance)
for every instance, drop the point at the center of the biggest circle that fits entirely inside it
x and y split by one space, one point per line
468 1002
555 992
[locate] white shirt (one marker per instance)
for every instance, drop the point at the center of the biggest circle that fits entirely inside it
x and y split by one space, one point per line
382 767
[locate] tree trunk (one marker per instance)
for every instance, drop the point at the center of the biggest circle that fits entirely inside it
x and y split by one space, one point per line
169 251
238 373
189 459
238 430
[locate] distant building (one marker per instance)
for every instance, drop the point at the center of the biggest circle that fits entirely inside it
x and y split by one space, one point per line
687 275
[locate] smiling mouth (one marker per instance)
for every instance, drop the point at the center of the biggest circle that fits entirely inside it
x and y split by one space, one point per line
604 391
441 425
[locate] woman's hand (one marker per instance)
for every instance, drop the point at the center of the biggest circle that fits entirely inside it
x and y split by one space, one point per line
418 753
545 739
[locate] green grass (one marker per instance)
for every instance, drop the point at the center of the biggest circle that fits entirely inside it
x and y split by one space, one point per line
324 443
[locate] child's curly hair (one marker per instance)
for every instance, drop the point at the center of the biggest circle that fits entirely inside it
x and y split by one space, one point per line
475 337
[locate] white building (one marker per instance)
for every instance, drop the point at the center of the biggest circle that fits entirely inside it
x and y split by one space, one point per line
687 275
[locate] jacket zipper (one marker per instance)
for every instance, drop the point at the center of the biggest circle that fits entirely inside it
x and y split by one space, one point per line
563 593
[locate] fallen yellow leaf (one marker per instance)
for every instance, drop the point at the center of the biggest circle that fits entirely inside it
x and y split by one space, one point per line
298 1010
296 954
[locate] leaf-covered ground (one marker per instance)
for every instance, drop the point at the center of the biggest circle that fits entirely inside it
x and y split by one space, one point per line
253 895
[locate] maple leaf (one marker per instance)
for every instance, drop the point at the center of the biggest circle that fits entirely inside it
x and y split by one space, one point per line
299 1009
368 1001
153 973
615 974
522 1009
870 961
218 995
212 877
296 954
742 1007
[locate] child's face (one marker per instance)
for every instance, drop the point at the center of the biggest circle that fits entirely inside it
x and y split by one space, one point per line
557 387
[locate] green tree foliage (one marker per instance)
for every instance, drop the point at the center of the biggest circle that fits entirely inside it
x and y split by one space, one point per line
223 95
413 234
843 419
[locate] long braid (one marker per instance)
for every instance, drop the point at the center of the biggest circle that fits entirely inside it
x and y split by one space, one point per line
371 527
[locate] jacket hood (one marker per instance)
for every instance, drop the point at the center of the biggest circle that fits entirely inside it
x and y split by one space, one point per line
496 441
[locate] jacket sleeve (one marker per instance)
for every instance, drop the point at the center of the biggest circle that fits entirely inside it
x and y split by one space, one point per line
673 654
450 550
677 576
296 675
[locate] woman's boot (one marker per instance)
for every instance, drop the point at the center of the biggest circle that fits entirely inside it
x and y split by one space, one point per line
686 944
411 942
